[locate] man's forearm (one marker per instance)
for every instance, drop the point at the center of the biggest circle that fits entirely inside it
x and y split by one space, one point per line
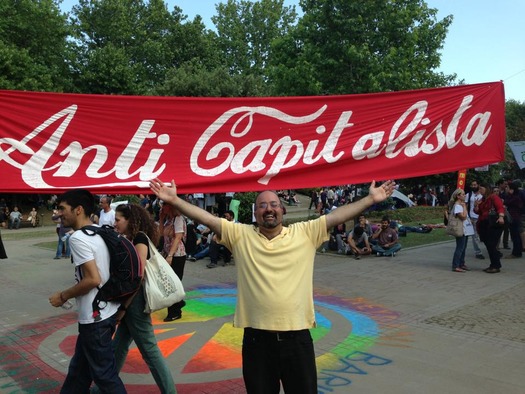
347 212
197 214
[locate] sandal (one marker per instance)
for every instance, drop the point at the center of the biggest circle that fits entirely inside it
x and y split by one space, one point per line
465 268
458 270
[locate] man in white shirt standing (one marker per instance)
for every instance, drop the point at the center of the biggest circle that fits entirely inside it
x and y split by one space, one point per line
94 359
107 215
473 196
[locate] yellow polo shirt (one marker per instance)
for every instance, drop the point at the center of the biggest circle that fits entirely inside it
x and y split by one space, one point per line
275 277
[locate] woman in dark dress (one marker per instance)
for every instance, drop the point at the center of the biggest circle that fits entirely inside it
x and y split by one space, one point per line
3 255
490 233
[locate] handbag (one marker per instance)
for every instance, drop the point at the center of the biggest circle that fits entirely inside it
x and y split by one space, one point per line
455 225
493 217
162 287
468 228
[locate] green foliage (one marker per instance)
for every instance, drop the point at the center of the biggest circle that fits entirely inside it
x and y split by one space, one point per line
130 198
413 215
245 208
33 46
246 30
343 47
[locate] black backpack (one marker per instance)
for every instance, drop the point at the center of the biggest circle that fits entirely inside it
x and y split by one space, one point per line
125 268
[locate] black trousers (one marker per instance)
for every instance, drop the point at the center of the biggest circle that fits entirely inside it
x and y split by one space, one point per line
216 251
490 236
177 264
270 358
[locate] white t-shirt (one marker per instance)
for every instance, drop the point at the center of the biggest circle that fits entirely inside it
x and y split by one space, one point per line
85 248
107 218
472 203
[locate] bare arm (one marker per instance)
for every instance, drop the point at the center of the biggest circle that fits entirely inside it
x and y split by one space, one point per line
347 212
90 280
169 195
463 214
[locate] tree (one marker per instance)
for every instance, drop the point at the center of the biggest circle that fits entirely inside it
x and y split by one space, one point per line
515 122
33 46
344 47
245 33
129 46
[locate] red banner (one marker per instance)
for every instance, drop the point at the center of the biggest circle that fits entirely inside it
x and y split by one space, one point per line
50 142
462 176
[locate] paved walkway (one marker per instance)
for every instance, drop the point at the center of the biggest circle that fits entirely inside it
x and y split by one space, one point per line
386 325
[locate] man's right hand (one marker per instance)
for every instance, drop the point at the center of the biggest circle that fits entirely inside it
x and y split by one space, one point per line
164 192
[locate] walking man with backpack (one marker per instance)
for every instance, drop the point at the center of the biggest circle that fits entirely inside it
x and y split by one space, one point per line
93 359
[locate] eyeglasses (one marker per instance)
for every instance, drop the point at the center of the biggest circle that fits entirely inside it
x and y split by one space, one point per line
272 204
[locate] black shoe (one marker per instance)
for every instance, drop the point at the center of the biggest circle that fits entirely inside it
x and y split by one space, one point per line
183 304
172 318
492 270
480 256
211 265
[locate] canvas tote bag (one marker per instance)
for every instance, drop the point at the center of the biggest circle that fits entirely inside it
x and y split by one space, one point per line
162 287
455 225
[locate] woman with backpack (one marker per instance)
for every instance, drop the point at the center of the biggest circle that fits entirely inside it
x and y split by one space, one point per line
136 224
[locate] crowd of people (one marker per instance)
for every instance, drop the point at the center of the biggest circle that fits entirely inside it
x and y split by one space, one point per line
277 346
267 275
365 239
490 215
13 218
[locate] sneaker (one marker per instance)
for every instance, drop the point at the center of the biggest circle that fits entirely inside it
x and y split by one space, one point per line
172 318
323 250
357 257
379 254
191 258
480 256
56 258
211 265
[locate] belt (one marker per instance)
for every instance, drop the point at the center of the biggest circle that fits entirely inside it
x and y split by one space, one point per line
277 336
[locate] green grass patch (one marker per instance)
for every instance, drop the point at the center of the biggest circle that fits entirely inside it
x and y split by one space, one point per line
47 245
15 235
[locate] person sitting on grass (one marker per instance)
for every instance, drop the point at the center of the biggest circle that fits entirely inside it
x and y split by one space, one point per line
387 239
358 242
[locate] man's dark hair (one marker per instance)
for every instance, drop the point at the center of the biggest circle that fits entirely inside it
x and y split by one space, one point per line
79 197
358 231
515 186
232 214
385 218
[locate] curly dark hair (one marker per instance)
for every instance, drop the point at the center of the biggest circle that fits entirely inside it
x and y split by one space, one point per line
139 219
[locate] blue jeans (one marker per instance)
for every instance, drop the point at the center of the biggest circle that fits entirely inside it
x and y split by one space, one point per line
386 252
14 223
136 326
94 360
202 253
60 247
458 260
